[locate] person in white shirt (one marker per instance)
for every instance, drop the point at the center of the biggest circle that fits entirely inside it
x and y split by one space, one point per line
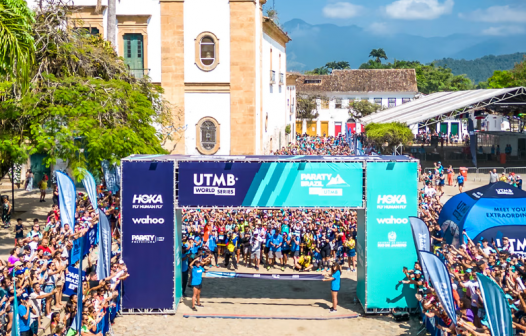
35 299
255 247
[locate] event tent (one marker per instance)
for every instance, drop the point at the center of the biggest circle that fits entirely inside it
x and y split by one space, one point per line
490 212
442 105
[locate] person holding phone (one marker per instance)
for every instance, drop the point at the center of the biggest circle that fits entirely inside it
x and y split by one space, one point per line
25 309
335 278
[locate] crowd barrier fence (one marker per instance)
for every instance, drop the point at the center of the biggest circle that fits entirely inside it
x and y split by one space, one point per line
482 174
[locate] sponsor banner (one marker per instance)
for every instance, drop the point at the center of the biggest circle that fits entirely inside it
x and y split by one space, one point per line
516 235
112 176
276 184
76 250
72 280
440 279
91 187
67 194
391 199
148 230
420 234
104 232
302 277
90 240
498 310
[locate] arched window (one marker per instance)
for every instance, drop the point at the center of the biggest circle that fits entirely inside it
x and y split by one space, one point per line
206 51
207 136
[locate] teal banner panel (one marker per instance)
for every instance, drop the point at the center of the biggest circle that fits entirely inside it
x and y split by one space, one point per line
392 189
307 184
360 254
271 184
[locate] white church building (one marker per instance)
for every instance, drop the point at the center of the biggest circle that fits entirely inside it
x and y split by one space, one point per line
221 63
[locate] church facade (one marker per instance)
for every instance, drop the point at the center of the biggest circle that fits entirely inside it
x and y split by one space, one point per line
221 63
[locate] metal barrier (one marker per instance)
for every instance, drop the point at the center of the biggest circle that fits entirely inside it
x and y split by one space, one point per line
481 174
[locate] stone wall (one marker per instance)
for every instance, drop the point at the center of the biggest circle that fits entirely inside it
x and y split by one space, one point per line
243 77
172 67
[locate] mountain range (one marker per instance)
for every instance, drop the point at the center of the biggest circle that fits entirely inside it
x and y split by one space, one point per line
313 46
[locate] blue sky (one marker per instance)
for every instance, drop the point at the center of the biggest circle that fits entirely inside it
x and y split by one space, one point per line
417 17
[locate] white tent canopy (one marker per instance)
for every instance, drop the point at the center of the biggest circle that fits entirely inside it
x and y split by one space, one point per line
442 105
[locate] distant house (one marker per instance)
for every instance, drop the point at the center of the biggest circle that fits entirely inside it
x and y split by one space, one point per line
387 87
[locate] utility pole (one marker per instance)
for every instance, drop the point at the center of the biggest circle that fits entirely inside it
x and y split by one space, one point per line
12 188
112 23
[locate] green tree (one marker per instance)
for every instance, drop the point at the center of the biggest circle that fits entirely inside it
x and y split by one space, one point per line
318 71
17 47
378 54
307 107
512 78
83 106
363 108
342 65
388 135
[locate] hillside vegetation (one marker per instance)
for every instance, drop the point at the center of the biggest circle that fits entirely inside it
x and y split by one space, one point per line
480 69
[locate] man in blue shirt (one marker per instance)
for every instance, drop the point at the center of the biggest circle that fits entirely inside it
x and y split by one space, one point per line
24 312
276 243
460 181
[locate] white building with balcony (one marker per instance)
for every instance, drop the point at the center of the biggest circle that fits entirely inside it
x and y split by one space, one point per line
386 87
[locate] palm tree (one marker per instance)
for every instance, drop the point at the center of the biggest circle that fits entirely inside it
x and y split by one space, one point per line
378 54
17 46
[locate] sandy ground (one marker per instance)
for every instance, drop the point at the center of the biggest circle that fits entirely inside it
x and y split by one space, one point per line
246 296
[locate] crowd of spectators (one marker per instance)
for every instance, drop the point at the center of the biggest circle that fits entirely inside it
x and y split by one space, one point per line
463 263
321 145
38 265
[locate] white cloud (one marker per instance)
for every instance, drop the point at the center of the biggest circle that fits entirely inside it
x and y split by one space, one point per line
496 14
503 31
418 9
342 10
379 28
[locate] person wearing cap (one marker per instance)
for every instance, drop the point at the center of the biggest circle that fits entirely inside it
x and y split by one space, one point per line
25 309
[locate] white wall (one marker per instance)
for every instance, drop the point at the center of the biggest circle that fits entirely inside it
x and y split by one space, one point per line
274 95
207 16
200 105
333 114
